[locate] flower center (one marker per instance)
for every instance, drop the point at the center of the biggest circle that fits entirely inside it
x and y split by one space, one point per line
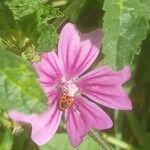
68 87
68 90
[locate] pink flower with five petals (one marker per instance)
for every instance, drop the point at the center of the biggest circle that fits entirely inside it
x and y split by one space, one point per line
73 92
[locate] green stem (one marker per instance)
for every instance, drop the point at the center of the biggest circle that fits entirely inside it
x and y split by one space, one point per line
100 140
119 143
59 3
118 126
71 8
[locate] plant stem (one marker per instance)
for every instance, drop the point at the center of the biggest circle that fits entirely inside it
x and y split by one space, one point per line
100 140
123 145
59 3
71 8
118 126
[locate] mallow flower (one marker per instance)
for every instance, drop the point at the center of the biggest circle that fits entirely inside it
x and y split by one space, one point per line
74 93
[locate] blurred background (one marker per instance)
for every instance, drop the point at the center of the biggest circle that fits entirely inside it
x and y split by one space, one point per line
28 28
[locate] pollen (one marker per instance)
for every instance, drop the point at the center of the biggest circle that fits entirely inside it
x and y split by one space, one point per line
68 87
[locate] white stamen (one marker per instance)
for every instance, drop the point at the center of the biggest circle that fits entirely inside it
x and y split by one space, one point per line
68 87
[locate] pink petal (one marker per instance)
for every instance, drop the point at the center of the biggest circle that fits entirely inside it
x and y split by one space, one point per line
43 126
49 70
77 51
83 116
104 87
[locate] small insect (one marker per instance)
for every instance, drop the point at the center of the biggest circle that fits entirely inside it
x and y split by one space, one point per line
65 102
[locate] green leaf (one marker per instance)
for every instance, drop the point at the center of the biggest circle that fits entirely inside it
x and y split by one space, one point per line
48 38
88 20
22 141
19 87
6 139
41 35
31 24
61 142
29 27
48 12
124 30
144 10
22 8
5 24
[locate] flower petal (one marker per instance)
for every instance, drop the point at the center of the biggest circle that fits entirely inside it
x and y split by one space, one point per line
104 87
49 70
83 116
43 126
77 51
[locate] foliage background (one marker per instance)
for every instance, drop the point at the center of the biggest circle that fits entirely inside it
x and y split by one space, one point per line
29 27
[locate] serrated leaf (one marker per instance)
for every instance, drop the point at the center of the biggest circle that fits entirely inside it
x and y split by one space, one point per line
124 30
20 89
144 10
22 8
29 27
31 20
48 38
61 142
48 12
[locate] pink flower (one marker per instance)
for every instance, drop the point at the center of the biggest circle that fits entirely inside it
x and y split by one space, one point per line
74 94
